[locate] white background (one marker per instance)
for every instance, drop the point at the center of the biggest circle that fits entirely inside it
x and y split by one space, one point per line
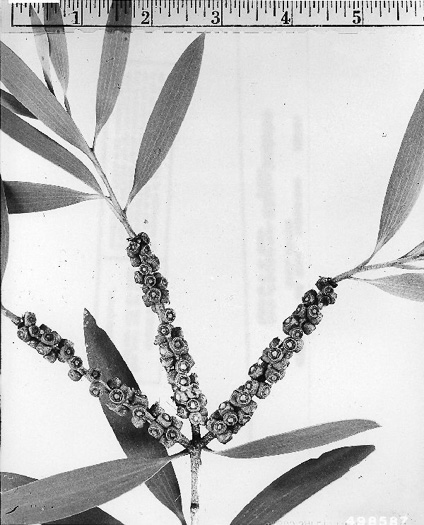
277 176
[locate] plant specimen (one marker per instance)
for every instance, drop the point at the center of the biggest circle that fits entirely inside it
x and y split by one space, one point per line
145 430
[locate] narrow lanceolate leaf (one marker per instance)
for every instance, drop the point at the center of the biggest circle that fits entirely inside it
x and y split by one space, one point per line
8 101
47 148
406 285
299 484
114 58
69 493
4 230
168 114
28 197
31 92
10 480
58 49
103 354
407 178
302 439
416 253
43 47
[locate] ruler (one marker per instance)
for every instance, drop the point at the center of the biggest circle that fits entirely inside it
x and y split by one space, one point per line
231 13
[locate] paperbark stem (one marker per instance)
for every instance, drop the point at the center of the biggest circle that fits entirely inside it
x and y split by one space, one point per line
195 461
112 200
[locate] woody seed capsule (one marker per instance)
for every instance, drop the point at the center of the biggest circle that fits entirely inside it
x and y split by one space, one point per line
29 319
51 357
263 391
43 349
34 331
96 389
23 334
74 375
75 362
164 420
155 430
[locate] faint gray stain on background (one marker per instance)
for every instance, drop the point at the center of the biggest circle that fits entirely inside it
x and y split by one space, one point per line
265 234
294 231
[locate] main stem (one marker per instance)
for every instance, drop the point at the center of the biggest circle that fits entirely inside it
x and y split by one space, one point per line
364 267
195 462
112 200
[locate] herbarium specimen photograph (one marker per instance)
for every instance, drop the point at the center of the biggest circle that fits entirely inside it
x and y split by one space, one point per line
212 275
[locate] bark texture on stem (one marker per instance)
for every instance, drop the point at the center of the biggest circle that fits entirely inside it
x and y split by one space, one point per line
195 459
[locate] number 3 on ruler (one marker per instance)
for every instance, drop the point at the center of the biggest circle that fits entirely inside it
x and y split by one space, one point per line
216 18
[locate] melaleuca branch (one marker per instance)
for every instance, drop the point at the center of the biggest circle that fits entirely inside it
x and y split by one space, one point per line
120 398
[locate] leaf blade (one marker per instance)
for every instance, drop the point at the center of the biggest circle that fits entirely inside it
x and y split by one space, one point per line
406 180
69 493
168 114
406 285
103 354
113 61
4 230
302 439
58 49
42 145
9 102
299 484
94 516
29 197
42 46
30 91
415 253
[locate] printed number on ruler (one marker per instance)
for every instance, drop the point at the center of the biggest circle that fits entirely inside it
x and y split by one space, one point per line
233 13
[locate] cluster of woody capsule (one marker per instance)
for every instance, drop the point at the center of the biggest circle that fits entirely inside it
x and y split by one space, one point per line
120 398
271 366
173 348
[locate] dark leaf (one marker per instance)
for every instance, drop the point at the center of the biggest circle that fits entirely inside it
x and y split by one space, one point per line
58 49
69 493
31 92
47 148
103 354
302 439
407 178
168 114
405 285
28 197
42 46
299 484
9 101
4 230
114 58
415 253
95 516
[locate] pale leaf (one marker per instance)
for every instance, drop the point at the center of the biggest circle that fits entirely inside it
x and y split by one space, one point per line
406 285
8 101
43 47
302 439
28 197
36 141
407 177
299 484
114 58
4 230
415 253
168 114
58 49
95 516
69 493
31 92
